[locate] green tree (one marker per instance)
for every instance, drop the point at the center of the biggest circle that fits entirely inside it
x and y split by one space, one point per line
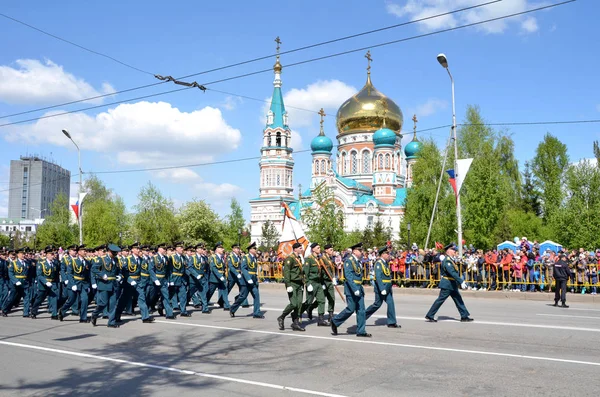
376 235
198 222
269 236
235 226
4 240
597 152
154 221
549 167
57 229
103 213
530 196
324 219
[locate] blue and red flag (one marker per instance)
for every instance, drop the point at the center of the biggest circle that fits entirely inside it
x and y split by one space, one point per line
452 181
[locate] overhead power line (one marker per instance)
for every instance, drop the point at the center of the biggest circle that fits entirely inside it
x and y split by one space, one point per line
76 45
250 60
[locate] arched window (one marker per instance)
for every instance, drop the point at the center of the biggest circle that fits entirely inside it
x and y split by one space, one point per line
278 139
323 167
268 178
387 161
354 160
285 140
366 162
344 164
380 161
278 179
317 167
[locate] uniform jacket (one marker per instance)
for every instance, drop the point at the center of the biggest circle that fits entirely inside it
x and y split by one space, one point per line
108 266
383 276
292 270
160 267
233 264
46 272
217 268
195 267
249 268
177 265
353 275
450 278
312 270
78 273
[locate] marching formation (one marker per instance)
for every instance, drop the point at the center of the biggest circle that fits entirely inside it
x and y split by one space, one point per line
167 279
162 278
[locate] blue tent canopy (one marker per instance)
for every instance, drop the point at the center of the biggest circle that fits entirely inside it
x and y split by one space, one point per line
551 245
510 245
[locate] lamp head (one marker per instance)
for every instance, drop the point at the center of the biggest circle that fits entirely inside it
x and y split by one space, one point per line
443 60
66 134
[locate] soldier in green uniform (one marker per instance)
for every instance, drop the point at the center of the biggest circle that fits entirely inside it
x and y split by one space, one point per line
47 284
329 279
383 289
355 294
449 286
104 277
293 277
313 274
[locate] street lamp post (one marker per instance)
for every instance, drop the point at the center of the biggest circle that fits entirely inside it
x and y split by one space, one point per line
444 62
80 188
239 236
40 210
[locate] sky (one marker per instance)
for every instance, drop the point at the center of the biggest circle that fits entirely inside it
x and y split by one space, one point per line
536 67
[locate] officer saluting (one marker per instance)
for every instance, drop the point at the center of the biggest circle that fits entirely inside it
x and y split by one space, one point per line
383 289
449 284
355 295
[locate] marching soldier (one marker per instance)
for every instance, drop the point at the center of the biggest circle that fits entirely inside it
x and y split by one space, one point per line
204 280
383 289
217 276
160 266
3 275
355 294
313 274
177 287
195 270
449 286
47 284
67 260
293 277
104 281
18 284
329 279
234 274
78 275
248 270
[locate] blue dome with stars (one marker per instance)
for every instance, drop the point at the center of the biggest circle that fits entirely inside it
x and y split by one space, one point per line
412 149
321 143
384 137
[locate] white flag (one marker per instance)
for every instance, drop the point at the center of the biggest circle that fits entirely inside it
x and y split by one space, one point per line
462 168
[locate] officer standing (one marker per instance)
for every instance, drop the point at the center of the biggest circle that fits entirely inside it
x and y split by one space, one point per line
449 286
104 281
177 285
313 274
78 275
248 269
293 277
561 274
355 294
217 276
47 284
383 289
329 279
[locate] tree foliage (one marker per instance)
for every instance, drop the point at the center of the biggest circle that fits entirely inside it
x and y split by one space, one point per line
324 218
154 221
56 229
269 236
103 214
235 226
199 223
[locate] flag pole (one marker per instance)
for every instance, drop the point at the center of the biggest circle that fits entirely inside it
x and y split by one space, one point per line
437 194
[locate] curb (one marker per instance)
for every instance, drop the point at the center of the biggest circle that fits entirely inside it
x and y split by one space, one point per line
527 296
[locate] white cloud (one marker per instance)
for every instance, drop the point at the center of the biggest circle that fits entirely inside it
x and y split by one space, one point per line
296 141
430 107
231 102
201 188
144 134
418 9
32 81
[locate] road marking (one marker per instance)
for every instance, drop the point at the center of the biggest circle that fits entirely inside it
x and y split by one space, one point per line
588 310
171 369
371 342
567 315
478 322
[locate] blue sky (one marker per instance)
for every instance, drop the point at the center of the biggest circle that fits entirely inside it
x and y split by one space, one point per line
538 67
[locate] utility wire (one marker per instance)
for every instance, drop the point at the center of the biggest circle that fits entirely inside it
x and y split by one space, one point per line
250 60
76 45
306 61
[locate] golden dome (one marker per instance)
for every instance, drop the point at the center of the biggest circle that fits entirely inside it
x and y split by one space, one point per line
366 110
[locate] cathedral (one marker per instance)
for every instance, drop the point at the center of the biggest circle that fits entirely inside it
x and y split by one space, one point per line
369 177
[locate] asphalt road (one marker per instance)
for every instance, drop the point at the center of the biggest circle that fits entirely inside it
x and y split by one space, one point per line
513 348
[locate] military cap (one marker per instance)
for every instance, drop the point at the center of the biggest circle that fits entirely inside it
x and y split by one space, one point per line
49 249
91 249
81 247
252 245
450 246
72 247
161 245
327 246
296 245
382 250
11 251
236 245
113 248
357 246
189 247
313 245
125 248
102 247
135 245
179 244
200 245
218 245
19 250
170 247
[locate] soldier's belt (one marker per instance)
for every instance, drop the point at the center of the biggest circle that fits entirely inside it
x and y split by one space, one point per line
134 277
252 273
386 281
111 278
160 275
357 281
448 278
177 274
78 278
21 276
49 280
145 274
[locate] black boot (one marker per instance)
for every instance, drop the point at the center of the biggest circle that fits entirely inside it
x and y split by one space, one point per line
296 326
280 323
322 322
309 312
330 315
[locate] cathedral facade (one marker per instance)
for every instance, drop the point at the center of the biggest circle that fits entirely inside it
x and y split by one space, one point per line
369 175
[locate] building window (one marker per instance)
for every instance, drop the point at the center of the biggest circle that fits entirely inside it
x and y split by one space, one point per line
380 161
278 179
278 139
27 228
370 221
317 162
354 159
268 178
366 162
344 165
387 161
323 167
269 139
